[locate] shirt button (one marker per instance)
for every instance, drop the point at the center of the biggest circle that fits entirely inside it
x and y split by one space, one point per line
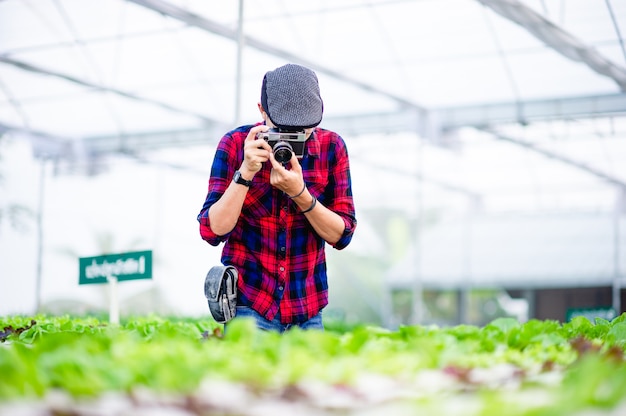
280 288
282 269
282 249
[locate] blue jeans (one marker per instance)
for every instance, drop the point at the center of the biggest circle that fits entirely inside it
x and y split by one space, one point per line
275 324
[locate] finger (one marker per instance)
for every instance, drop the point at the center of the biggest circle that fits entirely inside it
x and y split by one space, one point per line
255 146
256 156
255 130
275 164
262 144
259 142
295 164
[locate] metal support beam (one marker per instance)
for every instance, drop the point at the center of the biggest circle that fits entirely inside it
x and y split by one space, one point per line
620 209
192 19
561 41
45 145
530 295
101 88
240 45
613 180
443 119
531 110
430 124
462 304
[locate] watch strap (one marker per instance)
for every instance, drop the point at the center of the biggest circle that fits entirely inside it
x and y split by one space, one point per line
240 180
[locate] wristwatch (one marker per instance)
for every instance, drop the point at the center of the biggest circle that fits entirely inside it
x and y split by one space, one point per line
240 180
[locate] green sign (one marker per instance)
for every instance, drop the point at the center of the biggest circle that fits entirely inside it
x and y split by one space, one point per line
124 266
607 313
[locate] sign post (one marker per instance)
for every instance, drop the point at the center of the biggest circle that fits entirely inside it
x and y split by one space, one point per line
114 305
113 268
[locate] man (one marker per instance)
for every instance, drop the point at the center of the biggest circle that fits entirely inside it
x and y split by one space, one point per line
276 218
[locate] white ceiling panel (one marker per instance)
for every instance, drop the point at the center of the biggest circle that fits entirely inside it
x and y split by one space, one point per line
372 56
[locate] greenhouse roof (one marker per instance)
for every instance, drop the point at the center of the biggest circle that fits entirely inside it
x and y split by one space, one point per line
128 72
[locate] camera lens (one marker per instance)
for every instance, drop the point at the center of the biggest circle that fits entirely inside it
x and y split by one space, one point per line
282 152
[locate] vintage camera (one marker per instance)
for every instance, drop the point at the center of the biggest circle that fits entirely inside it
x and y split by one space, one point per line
284 143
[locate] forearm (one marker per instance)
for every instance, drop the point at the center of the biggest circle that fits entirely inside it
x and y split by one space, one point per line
224 214
326 223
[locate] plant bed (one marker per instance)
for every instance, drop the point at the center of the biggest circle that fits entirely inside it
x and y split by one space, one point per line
149 365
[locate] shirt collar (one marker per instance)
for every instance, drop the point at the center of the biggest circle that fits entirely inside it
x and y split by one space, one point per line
313 145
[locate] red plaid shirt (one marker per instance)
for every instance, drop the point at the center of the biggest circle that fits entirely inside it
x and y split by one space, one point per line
279 257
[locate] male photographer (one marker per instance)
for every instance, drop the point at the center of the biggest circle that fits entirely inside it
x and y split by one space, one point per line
276 218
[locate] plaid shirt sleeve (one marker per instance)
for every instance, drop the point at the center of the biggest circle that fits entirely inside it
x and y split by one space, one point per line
228 156
279 256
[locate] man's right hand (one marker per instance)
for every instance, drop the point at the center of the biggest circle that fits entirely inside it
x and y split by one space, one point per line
255 153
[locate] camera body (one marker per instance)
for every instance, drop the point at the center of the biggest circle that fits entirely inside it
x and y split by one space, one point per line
284 143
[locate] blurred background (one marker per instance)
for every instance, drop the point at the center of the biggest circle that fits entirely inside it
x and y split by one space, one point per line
487 142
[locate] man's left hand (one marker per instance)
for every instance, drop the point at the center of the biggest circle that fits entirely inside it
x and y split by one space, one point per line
290 181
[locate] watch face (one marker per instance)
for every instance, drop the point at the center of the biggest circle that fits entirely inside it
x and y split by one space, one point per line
238 179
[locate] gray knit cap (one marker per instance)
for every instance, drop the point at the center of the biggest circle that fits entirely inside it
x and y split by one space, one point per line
291 97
